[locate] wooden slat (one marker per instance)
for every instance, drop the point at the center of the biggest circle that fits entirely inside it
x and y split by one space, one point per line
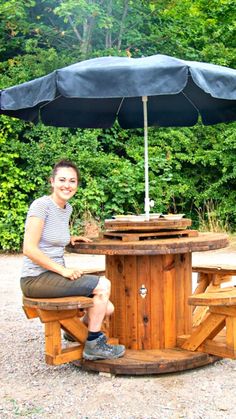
133 236
129 305
158 224
223 297
63 303
210 326
157 317
144 309
231 333
216 348
169 301
31 313
226 311
115 271
183 290
52 338
67 355
200 312
50 315
223 269
76 328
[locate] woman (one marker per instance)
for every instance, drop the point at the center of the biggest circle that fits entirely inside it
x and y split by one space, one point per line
44 274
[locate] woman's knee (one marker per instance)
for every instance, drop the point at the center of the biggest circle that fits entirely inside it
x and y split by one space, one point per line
110 308
103 286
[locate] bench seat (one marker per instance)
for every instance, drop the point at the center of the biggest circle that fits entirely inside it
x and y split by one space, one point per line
59 314
221 315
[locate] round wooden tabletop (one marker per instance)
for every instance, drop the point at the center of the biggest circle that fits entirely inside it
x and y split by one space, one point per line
104 246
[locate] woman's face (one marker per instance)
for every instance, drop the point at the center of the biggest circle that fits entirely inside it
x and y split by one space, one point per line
64 184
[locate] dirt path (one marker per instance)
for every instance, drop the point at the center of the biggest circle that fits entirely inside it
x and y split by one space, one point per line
31 389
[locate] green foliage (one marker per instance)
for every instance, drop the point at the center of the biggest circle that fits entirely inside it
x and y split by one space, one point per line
191 171
14 190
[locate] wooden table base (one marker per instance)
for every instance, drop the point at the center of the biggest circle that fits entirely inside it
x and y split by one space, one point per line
153 361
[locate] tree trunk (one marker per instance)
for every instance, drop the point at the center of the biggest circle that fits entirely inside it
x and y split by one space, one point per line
122 23
108 39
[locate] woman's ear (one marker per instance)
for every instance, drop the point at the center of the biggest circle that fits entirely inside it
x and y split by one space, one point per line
51 180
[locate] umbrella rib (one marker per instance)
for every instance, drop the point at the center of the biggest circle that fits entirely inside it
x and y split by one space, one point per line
190 101
120 104
50 101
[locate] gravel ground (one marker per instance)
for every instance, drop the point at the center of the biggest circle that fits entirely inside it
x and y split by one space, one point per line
31 389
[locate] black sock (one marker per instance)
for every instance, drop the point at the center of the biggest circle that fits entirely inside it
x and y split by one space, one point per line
93 335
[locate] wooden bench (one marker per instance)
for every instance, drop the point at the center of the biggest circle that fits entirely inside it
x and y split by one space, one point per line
210 278
221 315
59 314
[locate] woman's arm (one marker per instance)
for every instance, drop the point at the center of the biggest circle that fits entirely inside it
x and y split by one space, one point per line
32 237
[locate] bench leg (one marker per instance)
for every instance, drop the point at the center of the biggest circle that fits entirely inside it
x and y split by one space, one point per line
52 339
231 334
55 321
207 282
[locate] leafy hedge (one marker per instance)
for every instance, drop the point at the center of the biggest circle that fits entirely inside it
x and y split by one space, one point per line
192 171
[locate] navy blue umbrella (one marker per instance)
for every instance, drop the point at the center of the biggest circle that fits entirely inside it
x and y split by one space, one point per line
138 92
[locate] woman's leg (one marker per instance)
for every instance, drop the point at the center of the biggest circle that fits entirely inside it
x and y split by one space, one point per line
101 305
109 311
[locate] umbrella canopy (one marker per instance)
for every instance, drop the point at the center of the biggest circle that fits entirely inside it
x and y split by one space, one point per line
93 93
96 92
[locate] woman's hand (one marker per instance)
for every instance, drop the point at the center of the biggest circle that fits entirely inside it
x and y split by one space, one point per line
74 239
71 273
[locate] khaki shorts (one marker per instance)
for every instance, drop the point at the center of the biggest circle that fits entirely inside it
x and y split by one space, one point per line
52 285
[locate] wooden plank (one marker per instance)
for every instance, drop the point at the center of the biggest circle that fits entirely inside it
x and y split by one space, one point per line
63 303
67 355
147 225
216 348
203 281
223 297
115 271
199 315
220 278
209 327
231 334
130 306
200 312
52 338
133 236
169 295
76 328
213 268
226 311
144 309
156 301
183 290
31 313
50 315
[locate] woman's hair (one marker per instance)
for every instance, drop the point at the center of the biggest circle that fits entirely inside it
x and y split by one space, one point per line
65 163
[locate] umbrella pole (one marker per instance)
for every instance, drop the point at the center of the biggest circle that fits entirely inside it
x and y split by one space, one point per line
145 120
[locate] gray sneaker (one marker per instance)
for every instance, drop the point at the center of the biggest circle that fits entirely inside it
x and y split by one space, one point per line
99 349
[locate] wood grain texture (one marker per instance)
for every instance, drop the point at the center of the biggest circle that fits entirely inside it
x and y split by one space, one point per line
159 224
221 297
203 242
63 303
136 362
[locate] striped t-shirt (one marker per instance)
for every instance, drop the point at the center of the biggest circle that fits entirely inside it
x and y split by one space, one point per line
55 235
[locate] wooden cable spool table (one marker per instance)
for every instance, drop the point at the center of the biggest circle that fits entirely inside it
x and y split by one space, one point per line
151 282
